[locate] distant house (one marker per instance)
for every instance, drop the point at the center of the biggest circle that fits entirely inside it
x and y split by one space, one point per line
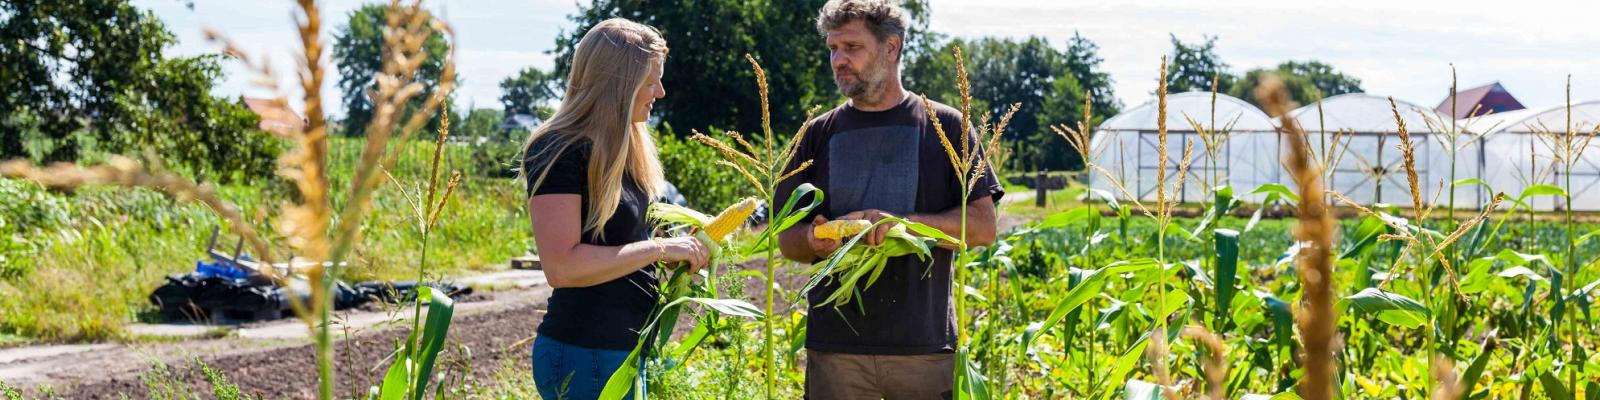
275 118
523 122
1491 98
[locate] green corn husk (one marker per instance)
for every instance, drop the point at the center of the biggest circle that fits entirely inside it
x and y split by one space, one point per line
856 266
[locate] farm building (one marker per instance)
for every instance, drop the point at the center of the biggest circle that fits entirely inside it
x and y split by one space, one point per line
1483 100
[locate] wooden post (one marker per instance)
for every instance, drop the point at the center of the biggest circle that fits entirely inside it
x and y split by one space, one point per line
1039 190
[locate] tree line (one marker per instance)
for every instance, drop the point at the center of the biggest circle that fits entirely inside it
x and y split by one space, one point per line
92 77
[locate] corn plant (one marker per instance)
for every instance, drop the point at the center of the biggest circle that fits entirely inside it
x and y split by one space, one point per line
679 290
1567 145
970 163
765 161
409 374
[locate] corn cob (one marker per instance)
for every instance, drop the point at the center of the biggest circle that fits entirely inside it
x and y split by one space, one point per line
731 219
840 229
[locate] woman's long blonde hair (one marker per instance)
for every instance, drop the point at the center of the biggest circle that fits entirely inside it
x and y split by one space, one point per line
613 61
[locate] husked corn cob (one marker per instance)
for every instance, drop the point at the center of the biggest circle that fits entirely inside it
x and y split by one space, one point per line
840 228
731 219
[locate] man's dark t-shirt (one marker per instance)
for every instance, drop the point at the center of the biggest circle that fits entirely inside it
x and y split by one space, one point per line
892 161
608 315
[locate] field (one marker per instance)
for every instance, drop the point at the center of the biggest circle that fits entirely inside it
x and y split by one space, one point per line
1302 295
80 264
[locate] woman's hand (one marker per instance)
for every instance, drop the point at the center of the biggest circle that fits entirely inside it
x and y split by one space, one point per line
685 249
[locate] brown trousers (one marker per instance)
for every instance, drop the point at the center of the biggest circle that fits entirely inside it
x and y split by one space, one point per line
836 376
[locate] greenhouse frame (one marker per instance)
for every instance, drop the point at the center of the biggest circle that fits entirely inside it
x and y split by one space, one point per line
1358 136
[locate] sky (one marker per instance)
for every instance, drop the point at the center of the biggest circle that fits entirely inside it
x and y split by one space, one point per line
1399 48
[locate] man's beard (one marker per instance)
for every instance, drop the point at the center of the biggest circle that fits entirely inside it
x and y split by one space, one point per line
869 84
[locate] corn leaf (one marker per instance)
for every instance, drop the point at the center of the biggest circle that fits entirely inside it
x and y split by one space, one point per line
1067 217
1366 236
1472 182
1092 283
623 380
734 307
1282 318
1553 387
395 380
440 309
1125 364
1388 307
1280 189
1542 190
1475 370
788 216
1222 202
970 382
1226 269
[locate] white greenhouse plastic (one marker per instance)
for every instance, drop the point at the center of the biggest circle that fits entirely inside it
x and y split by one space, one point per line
1507 152
1360 132
1524 148
1126 146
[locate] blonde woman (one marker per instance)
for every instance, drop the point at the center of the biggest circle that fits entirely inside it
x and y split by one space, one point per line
592 172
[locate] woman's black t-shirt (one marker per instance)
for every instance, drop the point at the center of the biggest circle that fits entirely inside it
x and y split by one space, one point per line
608 315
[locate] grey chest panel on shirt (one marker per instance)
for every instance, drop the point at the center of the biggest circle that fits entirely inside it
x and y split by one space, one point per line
874 168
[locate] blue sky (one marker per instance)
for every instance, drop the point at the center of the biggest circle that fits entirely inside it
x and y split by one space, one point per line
1398 48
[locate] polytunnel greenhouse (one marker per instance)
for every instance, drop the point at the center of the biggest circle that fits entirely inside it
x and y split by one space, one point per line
1528 147
1126 146
1357 136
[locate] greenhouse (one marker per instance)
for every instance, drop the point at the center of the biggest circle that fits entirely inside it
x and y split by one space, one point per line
1126 146
1527 147
1357 137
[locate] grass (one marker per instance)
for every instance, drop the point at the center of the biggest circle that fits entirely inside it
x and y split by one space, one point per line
112 247
1055 201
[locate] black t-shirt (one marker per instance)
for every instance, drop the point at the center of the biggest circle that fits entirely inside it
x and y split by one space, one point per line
608 315
893 161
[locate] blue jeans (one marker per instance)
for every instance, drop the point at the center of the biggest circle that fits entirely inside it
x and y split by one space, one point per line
567 372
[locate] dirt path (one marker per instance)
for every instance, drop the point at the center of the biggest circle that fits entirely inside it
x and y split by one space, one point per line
485 326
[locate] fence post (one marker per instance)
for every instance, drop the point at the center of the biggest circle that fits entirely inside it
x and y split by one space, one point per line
1039 189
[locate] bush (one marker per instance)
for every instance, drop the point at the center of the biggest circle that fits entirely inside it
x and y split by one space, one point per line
25 210
693 168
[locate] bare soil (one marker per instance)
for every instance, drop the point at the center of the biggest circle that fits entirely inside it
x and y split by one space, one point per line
481 340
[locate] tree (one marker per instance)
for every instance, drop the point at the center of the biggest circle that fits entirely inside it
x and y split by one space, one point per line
484 123
1003 72
1193 67
709 83
493 150
932 72
1307 82
1323 77
527 93
1082 58
358 50
82 78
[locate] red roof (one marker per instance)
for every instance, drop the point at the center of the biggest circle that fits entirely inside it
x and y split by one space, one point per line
1484 99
